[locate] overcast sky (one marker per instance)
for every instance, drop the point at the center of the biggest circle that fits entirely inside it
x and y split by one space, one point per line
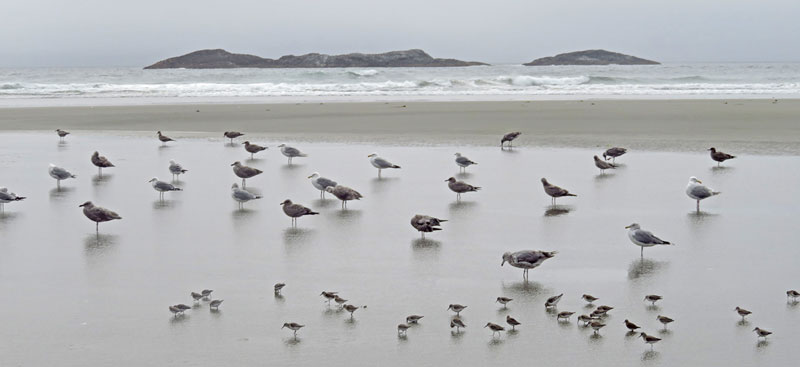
138 33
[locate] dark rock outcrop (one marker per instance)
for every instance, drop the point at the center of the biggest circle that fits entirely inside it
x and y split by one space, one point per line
591 57
221 59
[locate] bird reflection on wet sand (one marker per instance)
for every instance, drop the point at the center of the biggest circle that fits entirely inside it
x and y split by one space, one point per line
295 236
61 192
641 268
164 204
96 244
324 203
525 290
556 210
98 180
462 206
650 355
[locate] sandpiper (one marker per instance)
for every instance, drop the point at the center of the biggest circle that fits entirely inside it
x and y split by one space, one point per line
553 301
793 294
649 339
509 138
196 296
61 133
339 301
504 301
742 312
589 298
402 328
455 307
175 311
762 333
458 324
350 309
643 238
653 298
596 325
565 315
206 293
413 319
631 326
293 326
215 304
664 320
585 319
513 322
329 296
496 329
278 286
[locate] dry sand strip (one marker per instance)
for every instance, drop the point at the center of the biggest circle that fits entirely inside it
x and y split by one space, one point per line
758 126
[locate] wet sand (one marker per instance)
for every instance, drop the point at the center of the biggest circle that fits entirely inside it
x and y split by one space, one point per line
72 298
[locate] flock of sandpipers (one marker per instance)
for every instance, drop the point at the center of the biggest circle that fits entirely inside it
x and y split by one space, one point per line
526 259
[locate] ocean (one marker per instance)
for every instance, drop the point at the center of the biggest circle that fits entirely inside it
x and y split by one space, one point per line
133 85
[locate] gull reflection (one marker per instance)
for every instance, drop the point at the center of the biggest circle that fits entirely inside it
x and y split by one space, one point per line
641 268
324 203
98 180
461 206
556 210
524 290
650 355
61 192
97 244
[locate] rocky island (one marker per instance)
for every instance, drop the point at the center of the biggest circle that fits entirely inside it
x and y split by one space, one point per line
221 59
591 57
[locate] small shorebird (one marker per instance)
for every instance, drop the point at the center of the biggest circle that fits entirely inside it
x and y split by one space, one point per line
597 314
291 152
293 326
402 328
183 307
98 214
344 194
664 320
553 301
162 187
215 303
460 187
61 134
295 211
175 311
426 223
380 163
596 325
339 300
504 301
603 165
59 174
613 153
513 322
742 312
242 196
232 135
244 172
455 307
697 191
413 319
527 259
554 191
458 324
631 326
463 162
206 293
762 333
350 309
643 238
793 294
163 138
719 157
277 287
321 183
585 319
653 298
101 162
509 138
176 169
589 298
649 339
565 315
252 148
496 329
196 296
329 296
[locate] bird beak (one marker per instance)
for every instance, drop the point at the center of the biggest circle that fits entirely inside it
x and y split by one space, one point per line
503 263
698 181
310 176
232 164
626 227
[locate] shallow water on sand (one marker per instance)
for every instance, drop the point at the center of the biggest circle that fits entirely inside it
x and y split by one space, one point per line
74 298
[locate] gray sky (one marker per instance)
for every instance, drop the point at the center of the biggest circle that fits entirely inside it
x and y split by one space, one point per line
138 33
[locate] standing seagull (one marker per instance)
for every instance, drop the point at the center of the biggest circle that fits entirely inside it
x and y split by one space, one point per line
7 197
344 194
162 187
244 172
164 139
295 211
697 191
232 135
720 157
426 223
61 134
463 162
101 162
643 238
613 153
321 183
242 196
554 191
380 163
59 174
252 148
98 214
460 187
602 165
527 259
176 169
509 138
291 152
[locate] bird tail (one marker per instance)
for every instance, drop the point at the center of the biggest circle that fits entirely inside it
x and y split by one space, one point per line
19 198
476 188
178 189
303 155
571 194
73 176
395 166
312 213
258 196
714 193
184 170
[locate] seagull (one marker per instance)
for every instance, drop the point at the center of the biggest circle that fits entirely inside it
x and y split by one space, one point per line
242 196
553 301
664 320
697 191
527 259
496 329
631 326
790 293
163 187
232 135
554 191
653 298
344 194
278 286
742 312
98 214
215 304
603 165
61 134
295 211
455 307
613 153
164 139
762 333
720 157
513 322
509 138
503 301
293 326
413 319
458 324
649 339
101 162
463 162
643 238
291 152
589 298
244 172
176 169
564 315
252 148
402 328
321 183
380 163
460 187
59 174
426 223
7 197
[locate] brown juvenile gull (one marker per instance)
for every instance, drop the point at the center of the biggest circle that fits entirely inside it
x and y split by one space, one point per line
458 324
426 223
720 157
295 211
509 138
293 326
215 304
101 162
380 163
697 191
242 196
164 139
503 301
603 165
553 301
527 259
554 191
649 339
244 172
653 298
61 134
496 329
252 148
463 162
742 312
321 183
344 194
162 187
460 187
232 135
291 152
413 319
176 169
613 153
455 307
631 326
664 320
98 214
762 333
513 322
59 174
7 197
643 238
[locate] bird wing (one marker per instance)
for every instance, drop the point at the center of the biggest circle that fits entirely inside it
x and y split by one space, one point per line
324 182
464 160
291 151
701 191
382 163
647 237
243 194
161 185
529 256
